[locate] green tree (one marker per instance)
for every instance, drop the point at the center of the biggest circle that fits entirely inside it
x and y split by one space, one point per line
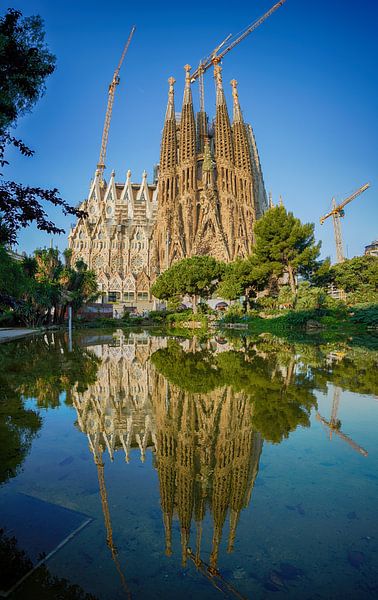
25 63
244 277
310 297
197 276
285 245
13 280
40 288
355 274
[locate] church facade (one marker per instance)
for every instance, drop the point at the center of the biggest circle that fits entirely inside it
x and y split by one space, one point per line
115 240
208 194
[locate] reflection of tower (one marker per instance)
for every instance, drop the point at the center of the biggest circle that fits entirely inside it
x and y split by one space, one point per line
116 409
208 442
207 453
115 412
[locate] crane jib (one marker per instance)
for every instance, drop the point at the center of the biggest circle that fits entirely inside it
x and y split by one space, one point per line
214 57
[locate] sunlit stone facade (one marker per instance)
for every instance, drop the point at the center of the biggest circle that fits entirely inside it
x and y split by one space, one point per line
115 239
209 194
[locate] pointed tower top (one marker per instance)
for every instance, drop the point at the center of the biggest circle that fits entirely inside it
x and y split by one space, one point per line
128 174
187 90
281 201
271 204
170 114
237 112
144 174
219 85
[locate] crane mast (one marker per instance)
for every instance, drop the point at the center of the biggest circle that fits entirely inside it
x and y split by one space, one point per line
336 213
112 87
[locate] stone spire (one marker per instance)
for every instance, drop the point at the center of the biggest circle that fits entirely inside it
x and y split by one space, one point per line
167 193
223 136
187 131
187 180
241 145
244 178
168 150
238 118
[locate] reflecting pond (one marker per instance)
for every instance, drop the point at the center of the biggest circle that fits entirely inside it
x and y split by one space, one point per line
143 466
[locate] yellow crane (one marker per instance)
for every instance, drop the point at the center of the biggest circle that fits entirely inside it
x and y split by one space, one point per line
334 424
336 213
214 58
112 88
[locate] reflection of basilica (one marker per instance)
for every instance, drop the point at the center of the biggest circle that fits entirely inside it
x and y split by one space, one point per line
206 452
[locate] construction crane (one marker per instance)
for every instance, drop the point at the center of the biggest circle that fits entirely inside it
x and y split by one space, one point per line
112 88
214 58
214 576
334 424
337 212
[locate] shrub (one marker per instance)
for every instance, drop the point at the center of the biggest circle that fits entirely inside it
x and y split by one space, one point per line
366 315
310 297
234 314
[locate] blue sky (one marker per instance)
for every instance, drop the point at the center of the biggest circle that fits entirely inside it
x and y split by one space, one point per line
307 83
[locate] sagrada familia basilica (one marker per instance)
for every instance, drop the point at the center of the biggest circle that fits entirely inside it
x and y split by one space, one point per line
207 194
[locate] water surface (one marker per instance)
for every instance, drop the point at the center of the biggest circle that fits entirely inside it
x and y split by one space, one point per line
149 467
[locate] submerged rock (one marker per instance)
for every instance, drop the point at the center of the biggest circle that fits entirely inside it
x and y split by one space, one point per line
356 558
289 572
274 582
352 515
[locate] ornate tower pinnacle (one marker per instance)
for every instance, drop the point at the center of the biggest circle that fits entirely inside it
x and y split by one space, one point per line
219 84
187 90
171 99
238 118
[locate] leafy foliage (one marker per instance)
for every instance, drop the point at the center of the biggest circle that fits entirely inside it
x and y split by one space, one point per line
25 63
41 368
195 276
356 273
40 288
285 244
244 277
280 403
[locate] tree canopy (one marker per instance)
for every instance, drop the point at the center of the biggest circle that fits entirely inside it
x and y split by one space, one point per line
38 289
195 276
285 244
281 403
25 63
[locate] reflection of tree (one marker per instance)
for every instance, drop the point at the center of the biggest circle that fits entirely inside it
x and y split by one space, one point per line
282 397
15 563
40 368
351 364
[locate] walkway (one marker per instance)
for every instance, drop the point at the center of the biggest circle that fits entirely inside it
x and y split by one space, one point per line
14 332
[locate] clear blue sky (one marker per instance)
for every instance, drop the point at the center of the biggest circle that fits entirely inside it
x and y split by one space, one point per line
308 84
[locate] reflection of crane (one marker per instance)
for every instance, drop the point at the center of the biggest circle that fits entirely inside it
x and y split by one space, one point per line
214 58
108 524
112 87
337 212
334 424
214 576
